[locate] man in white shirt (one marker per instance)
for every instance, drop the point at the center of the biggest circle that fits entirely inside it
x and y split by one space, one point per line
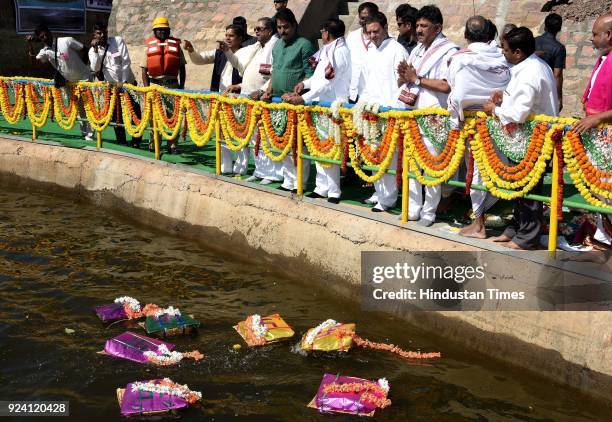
64 54
381 86
532 90
255 70
109 61
473 74
330 82
425 76
358 43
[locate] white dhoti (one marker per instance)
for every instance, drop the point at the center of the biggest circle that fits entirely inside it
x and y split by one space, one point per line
482 201
417 208
265 167
328 181
386 187
290 173
226 159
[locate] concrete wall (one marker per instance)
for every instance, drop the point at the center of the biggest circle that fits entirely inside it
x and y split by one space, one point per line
574 348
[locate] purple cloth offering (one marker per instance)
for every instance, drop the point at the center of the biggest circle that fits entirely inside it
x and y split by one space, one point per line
111 312
343 402
139 402
132 346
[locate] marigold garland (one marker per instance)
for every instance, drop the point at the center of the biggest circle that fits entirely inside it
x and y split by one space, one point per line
237 135
37 115
134 125
98 119
369 392
12 113
329 148
65 117
168 127
200 131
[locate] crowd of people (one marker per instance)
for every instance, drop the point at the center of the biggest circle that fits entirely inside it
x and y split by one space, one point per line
510 75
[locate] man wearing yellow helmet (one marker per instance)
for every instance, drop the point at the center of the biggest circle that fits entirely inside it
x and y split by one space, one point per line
165 62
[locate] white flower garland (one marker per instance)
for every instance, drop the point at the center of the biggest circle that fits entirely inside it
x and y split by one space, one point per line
181 391
164 355
313 333
257 327
130 301
384 384
171 310
334 128
369 130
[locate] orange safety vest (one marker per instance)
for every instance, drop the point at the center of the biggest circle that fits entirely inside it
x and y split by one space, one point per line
163 58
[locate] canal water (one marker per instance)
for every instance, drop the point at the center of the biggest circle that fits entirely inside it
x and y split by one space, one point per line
59 258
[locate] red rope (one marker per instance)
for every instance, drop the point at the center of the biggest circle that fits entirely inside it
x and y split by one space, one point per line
257 143
470 173
557 138
345 154
400 161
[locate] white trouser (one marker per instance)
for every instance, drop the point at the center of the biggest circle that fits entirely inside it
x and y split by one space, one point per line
416 207
290 172
328 180
481 200
241 164
226 159
386 187
265 167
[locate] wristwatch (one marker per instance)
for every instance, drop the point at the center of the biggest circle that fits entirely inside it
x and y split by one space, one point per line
417 81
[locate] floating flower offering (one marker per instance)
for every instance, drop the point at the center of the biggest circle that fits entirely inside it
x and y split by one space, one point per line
335 336
170 322
355 396
259 331
143 349
155 396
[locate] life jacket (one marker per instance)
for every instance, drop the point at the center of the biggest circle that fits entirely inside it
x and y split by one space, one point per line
163 58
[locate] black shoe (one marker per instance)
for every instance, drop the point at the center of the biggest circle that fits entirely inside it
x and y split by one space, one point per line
287 190
314 195
333 200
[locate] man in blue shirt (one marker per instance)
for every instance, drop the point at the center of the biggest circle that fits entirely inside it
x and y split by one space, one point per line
552 51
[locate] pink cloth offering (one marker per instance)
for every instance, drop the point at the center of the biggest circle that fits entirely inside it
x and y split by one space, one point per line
347 402
137 402
111 312
132 346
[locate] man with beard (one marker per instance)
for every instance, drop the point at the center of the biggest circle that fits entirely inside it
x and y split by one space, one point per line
532 90
425 76
381 86
597 102
358 44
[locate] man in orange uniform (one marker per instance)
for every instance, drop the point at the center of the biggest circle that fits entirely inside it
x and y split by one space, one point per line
165 63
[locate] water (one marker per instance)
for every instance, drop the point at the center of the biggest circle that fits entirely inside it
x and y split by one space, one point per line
59 258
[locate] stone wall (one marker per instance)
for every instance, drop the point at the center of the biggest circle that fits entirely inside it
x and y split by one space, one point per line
575 35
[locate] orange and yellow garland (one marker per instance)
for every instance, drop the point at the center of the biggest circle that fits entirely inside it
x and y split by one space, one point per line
12 113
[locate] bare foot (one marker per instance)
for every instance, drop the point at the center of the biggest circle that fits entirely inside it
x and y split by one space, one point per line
474 230
513 245
502 238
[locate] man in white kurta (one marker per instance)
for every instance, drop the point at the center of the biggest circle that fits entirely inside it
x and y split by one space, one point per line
473 74
358 43
426 86
330 82
381 86
255 71
532 90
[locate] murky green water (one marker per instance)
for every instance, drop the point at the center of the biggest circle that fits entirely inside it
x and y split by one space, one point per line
59 258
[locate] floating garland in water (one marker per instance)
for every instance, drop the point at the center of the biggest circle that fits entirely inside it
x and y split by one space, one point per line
373 393
166 357
169 387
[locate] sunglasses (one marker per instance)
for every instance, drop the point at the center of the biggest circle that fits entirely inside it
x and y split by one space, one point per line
259 28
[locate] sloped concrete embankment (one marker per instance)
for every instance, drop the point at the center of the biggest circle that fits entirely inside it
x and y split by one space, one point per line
314 243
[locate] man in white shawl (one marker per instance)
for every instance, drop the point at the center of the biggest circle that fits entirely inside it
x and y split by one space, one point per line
473 74
425 76
255 68
532 90
329 83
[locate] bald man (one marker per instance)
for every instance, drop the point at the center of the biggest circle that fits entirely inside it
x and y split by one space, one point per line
597 102
597 98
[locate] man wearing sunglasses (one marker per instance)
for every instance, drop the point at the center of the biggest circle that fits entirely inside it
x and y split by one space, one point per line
280 4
